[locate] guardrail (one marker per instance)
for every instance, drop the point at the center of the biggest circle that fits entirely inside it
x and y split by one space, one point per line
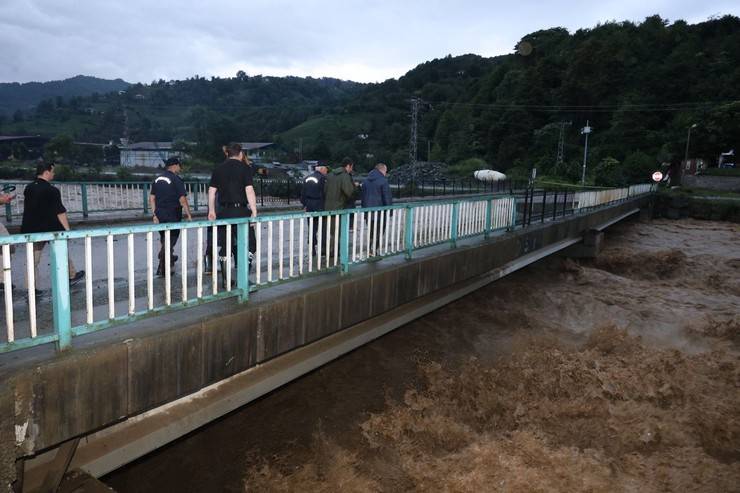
86 198
285 247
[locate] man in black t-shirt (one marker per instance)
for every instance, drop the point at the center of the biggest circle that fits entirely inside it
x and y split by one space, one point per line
167 200
44 212
232 181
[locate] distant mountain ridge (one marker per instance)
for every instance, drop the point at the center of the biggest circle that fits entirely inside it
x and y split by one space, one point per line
25 96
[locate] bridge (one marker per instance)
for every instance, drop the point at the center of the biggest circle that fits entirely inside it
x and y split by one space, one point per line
101 374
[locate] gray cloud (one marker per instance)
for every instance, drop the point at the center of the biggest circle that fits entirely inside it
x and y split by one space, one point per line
140 40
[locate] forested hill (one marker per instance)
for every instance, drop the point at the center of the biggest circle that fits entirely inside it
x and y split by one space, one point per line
15 96
640 86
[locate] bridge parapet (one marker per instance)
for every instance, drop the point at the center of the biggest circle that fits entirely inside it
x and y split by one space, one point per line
121 284
110 375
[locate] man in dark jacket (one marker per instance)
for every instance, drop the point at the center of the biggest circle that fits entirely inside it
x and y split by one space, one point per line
231 181
167 200
340 188
340 194
44 212
312 196
376 193
375 189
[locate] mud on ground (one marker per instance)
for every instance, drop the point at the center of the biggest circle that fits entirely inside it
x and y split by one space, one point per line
618 374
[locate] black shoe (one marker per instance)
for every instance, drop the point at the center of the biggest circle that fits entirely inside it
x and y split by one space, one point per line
160 271
80 275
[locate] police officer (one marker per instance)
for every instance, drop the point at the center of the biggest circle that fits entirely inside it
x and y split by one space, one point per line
232 181
312 196
167 200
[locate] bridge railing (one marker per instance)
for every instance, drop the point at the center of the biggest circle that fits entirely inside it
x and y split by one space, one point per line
122 283
87 198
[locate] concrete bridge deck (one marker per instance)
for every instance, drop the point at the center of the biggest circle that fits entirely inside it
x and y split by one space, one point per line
148 382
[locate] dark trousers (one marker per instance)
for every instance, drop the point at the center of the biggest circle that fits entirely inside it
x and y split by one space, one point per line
315 234
230 213
377 233
174 236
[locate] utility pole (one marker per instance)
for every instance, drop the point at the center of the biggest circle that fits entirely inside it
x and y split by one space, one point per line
561 144
585 131
688 139
413 136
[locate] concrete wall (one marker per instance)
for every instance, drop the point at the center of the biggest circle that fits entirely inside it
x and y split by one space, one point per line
724 183
118 373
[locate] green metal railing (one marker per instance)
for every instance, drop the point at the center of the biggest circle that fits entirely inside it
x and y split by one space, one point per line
267 249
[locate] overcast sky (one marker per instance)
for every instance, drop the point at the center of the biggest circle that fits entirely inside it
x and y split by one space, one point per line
367 41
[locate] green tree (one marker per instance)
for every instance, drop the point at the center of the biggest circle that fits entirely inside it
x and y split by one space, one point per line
59 148
608 173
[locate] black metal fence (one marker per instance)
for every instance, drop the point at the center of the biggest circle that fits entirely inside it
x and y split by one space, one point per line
274 191
539 205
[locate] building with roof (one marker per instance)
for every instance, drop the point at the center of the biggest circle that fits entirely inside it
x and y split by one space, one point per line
21 146
258 151
147 154
154 154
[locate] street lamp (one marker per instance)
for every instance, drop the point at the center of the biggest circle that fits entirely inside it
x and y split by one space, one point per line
688 139
585 131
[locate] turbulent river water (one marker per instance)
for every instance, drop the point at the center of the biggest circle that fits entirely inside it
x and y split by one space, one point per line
615 374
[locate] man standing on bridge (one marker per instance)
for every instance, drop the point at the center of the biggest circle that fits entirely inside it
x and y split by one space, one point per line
167 200
340 194
5 198
312 198
376 193
232 181
44 212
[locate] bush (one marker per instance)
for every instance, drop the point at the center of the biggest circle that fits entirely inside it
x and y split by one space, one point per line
124 174
638 167
608 173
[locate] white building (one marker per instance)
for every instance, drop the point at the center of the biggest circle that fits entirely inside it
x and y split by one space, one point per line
147 154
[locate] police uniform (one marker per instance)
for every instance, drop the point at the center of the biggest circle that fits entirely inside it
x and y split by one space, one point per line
230 179
312 198
167 190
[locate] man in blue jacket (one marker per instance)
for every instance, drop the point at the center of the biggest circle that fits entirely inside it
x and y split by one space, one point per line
375 189
376 193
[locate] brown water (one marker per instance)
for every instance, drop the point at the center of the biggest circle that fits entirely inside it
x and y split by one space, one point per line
619 374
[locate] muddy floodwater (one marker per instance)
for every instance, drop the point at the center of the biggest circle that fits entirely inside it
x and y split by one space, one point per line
615 374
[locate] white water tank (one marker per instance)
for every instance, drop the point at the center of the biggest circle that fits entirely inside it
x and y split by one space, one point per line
489 175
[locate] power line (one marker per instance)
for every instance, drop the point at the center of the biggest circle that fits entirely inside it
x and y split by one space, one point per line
595 108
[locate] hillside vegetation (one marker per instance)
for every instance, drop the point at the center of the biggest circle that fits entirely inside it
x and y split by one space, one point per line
639 85
17 97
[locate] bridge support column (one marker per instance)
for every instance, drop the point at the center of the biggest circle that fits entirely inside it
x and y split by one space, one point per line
590 247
